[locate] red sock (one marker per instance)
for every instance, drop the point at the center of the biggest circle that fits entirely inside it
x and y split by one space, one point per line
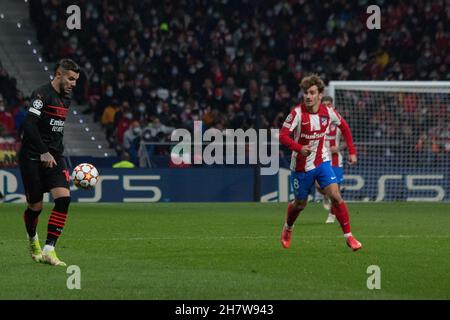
292 214
341 212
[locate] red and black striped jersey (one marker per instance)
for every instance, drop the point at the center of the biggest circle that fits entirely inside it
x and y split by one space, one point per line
49 111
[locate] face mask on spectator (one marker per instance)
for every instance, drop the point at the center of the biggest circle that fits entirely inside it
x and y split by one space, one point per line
153 94
128 115
109 93
265 103
138 93
95 79
137 131
141 108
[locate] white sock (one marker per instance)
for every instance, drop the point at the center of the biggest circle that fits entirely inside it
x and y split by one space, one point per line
346 235
288 227
33 238
48 248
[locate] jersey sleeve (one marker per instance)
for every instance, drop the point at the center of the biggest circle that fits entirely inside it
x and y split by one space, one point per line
31 123
291 122
336 118
36 104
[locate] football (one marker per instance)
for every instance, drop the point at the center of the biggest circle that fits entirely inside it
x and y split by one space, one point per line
85 176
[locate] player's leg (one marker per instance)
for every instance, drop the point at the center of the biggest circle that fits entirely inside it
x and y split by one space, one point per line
56 224
301 183
325 201
31 178
327 181
58 182
339 172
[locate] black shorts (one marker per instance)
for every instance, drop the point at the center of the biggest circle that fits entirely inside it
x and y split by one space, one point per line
38 179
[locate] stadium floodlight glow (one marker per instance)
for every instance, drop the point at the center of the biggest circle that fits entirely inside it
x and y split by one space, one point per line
81 120
87 129
93 138
75 112
106 154
34 51
19 25
45 68
40 59
51 77
99 146
2 16
29 42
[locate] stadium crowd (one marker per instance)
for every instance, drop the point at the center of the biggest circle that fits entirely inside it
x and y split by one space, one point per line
150 66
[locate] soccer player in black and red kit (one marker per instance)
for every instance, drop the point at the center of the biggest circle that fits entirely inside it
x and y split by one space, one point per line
41 160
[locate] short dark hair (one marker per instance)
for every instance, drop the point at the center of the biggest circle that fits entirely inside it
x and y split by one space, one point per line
67 65
312 80
327 98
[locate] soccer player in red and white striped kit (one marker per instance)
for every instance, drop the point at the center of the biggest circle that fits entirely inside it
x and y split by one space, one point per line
309 122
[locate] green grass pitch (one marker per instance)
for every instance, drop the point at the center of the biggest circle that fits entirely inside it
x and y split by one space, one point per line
231 251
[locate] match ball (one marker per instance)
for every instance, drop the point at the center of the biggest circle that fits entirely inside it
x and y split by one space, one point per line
85 176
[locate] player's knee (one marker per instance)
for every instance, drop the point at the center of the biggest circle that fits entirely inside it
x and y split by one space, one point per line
62 204
36 206
299 204
335 198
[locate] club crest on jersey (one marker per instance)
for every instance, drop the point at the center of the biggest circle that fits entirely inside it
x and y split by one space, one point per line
323 121
38 104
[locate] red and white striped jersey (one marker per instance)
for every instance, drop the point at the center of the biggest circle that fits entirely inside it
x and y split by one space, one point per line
333 139
310 129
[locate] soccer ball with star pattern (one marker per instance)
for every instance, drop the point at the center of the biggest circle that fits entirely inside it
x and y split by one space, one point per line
85 176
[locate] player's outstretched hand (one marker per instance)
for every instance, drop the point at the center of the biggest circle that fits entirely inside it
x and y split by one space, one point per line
352 159
48 160
306 151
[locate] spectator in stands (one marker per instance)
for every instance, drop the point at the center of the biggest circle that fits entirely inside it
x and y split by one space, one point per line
131 141
122 121
6 120
107 119
207 54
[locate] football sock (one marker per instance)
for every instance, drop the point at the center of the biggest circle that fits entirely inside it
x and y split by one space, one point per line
48 248
57 220
292 214
31 219
341 212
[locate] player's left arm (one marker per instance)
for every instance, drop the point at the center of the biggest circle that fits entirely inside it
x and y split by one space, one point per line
342 124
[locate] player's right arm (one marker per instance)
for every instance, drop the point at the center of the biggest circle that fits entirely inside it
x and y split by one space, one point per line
31 129
291 122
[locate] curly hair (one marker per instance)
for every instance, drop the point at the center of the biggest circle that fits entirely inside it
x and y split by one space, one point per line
312 80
